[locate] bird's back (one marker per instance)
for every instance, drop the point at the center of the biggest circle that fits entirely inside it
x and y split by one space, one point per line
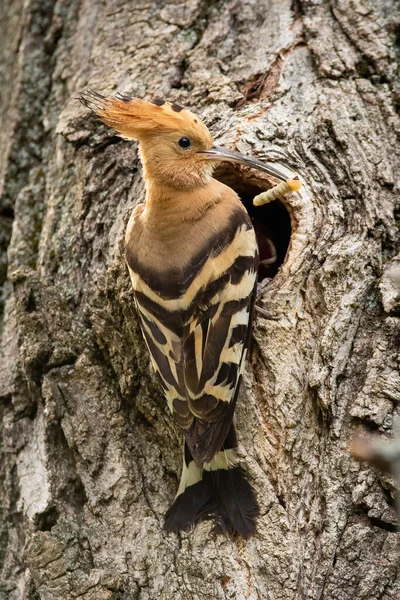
194 292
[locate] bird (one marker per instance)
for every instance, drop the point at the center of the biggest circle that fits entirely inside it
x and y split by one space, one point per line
192 257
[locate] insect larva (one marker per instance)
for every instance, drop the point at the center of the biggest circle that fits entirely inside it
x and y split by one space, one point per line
290 185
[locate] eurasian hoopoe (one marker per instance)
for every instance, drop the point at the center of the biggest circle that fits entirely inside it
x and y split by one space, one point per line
192 256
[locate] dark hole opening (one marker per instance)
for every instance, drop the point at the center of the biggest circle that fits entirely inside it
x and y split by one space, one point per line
31 304
383 524
282 501
7 212
47 519
271 221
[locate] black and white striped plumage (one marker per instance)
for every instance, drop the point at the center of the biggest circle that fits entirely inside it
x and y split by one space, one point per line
196 320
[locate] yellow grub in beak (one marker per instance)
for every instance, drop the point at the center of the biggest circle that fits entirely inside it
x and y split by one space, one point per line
290 185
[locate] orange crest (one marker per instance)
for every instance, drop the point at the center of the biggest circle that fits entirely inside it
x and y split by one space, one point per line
136 119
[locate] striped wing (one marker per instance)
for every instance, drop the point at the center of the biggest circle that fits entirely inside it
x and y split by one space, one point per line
214 352
198 341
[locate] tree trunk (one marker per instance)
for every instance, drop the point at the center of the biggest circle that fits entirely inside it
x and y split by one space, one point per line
90 457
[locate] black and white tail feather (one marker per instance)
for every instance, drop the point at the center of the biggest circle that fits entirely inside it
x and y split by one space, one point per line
220 491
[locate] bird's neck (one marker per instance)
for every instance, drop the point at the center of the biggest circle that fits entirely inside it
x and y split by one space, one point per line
168 206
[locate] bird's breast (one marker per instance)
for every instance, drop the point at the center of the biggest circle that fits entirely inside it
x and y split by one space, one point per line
176 272
171 256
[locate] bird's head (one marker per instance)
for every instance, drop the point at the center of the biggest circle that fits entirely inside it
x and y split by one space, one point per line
176 147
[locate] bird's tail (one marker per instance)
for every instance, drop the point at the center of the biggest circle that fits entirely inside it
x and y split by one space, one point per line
220 490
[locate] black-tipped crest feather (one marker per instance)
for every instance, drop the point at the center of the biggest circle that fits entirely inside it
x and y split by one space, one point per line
92 100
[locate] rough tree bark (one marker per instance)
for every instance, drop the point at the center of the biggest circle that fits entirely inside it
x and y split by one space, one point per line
90 457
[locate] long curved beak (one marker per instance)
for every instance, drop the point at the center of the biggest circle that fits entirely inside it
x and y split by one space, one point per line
219 153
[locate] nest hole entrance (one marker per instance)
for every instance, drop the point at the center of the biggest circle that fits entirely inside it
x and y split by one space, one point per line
271 222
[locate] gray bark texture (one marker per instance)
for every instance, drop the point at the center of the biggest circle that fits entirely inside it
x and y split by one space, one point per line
89 455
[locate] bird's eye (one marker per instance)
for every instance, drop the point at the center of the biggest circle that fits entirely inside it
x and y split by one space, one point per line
185 142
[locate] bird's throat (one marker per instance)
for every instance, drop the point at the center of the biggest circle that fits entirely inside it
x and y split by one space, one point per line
167 207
